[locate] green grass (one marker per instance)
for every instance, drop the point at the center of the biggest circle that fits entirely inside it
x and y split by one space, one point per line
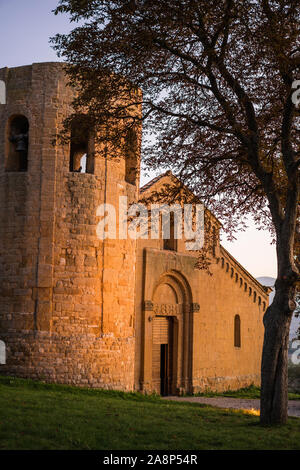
250 392
35 415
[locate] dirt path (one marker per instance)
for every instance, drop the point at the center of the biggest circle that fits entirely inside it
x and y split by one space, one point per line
236 403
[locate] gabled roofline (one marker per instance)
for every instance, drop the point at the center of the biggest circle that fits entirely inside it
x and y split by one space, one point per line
169 173
150 183
267 290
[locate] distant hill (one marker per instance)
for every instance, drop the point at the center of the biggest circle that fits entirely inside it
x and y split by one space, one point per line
269 281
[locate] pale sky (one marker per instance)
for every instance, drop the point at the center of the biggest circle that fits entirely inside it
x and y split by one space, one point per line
253 249
25 28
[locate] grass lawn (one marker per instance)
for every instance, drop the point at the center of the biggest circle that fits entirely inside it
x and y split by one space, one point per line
248 392
35 415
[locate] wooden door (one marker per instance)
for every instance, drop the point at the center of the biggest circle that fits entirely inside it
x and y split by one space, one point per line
162 355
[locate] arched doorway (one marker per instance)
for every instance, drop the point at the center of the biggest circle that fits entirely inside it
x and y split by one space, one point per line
168 336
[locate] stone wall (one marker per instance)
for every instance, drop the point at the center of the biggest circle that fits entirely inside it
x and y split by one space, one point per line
72 306
214 361
67 298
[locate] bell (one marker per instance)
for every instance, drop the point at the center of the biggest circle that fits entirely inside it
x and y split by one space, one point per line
21 142
21 145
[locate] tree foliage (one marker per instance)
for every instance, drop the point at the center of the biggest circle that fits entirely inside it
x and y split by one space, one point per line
217 79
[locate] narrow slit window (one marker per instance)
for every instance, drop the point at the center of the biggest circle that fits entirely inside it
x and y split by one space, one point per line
214 240
237 331
170 243
131 157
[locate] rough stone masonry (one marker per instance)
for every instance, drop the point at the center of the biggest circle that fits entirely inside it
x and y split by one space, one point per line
117 314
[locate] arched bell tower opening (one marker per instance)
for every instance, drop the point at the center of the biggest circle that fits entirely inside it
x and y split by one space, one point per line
82 146
17 136
168 330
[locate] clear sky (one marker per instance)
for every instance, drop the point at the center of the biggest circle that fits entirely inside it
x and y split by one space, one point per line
25 28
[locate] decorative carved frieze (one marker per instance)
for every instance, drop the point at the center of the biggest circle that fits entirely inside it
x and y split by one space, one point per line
167 309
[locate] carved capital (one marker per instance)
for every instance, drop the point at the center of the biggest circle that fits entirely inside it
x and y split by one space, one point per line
148 306
195 307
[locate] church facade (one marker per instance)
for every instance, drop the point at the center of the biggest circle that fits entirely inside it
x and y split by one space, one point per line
115 313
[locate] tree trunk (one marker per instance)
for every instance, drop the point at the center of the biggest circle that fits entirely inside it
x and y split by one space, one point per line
274 368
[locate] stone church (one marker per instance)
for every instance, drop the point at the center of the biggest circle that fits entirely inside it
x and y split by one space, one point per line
110 313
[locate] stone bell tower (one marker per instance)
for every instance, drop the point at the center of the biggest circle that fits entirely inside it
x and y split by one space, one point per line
66 296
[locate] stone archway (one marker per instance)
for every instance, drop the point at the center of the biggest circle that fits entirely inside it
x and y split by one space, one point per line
168 332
